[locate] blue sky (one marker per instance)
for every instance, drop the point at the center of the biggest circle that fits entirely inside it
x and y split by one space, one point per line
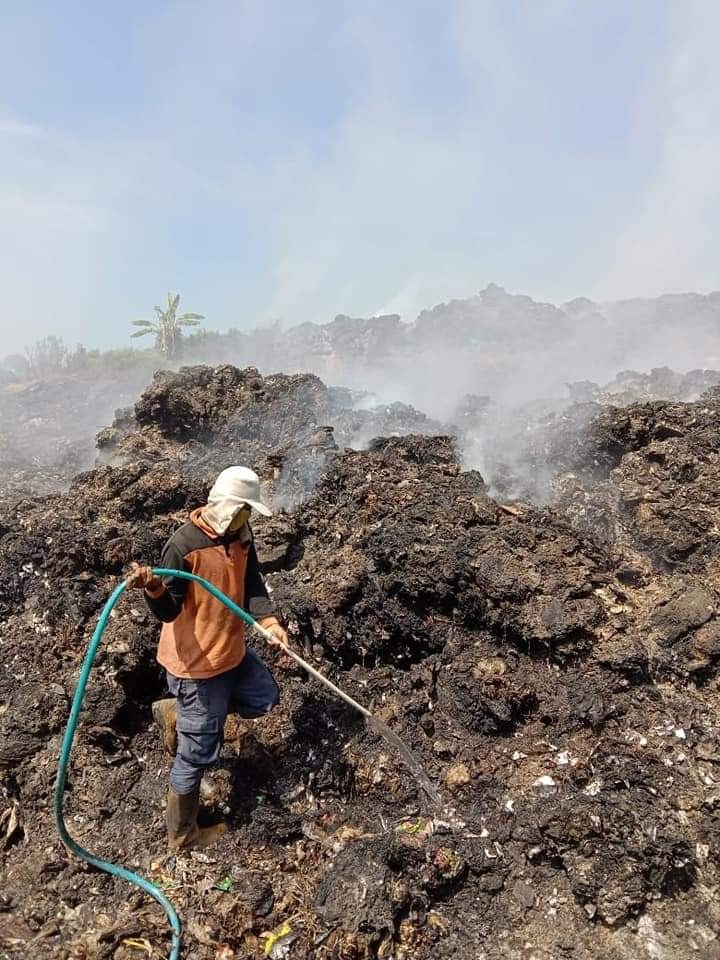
272 160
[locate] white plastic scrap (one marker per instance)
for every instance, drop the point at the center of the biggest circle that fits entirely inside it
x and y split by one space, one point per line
702 852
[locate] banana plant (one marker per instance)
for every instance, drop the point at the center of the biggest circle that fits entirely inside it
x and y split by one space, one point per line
168 328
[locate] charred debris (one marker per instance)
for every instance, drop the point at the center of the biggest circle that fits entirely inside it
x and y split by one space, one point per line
554 668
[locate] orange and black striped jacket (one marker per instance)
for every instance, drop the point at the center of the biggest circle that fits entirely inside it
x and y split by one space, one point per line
200 637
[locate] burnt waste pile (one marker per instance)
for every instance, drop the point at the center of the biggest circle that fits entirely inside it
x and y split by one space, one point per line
557 679
521 449
48 427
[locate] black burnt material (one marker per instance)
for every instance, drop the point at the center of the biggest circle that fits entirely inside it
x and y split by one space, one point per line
556 677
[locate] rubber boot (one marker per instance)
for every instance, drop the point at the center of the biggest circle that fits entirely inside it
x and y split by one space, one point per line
181 817
165 716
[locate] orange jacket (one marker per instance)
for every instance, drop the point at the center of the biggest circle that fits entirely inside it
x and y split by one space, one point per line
200 637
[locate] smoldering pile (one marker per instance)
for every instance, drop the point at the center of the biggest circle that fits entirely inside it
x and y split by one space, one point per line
522 450
558 685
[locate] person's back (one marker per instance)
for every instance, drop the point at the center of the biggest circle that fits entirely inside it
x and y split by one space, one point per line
200 637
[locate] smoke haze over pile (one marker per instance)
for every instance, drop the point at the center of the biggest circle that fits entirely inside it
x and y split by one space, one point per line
496 370
496 365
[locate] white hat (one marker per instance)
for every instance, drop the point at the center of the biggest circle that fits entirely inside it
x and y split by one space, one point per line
233 488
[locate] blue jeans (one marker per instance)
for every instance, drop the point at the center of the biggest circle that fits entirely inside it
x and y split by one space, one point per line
202 706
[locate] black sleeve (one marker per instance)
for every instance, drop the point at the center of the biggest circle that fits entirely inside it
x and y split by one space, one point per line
167 606
257 601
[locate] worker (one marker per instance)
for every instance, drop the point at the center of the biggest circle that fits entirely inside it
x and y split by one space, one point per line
210 669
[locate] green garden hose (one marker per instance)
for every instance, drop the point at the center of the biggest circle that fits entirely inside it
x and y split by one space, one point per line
69 736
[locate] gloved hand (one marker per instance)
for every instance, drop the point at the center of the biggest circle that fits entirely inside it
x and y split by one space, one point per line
142 578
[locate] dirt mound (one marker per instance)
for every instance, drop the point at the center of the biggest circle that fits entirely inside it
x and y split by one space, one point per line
662 482
559 687
399 542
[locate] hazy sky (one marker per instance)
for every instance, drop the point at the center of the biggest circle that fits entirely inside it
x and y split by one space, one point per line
293 161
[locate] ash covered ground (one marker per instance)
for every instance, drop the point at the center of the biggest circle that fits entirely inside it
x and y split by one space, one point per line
554 669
